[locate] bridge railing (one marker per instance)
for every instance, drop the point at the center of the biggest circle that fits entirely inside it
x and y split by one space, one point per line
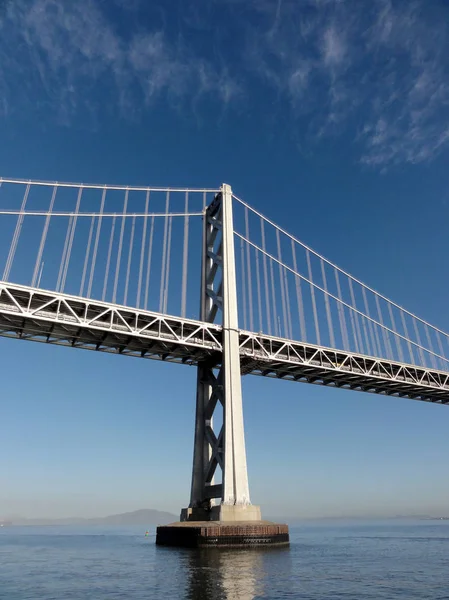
135 246
288 290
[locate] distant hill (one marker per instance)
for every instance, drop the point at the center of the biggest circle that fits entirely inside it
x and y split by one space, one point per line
145 516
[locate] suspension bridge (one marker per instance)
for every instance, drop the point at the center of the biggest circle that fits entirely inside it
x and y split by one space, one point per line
199 277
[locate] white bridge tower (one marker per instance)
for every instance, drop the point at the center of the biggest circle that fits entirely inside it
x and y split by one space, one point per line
219 384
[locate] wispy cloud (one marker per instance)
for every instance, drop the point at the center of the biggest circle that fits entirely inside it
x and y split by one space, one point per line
67 48
376 71
408 115
333 47
382 65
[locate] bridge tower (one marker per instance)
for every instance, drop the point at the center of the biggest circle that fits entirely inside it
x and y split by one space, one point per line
219 383
220 513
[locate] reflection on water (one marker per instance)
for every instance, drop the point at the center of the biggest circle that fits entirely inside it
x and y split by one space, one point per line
232 574
355 562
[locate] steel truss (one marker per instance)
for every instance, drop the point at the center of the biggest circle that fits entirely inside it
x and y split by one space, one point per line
208 445
297 361
38 315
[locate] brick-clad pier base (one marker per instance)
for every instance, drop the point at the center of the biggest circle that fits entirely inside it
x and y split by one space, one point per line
204 534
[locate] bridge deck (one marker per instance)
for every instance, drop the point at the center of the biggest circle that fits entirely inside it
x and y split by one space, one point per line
45 316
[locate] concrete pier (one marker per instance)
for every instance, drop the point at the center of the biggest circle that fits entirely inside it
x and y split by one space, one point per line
206 534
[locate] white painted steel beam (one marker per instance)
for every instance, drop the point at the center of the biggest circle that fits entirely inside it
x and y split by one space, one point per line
235 475
297 361
45 316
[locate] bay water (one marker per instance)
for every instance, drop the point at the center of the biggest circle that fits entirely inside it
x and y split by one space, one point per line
356 561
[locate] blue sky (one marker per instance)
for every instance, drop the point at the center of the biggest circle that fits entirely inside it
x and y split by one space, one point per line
331 118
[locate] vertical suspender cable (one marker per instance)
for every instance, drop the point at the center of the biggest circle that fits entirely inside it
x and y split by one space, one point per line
206 300
164 253
130 254
388 349
150 252
249 278
185 254
327 305
242 265
44 237
430 346
276 324
418 338
341 313
397 338
64 253
265 271
443 365
40 274
376 335
287 302
367 347
97 238
372 328
86 258
120 245
440 345
142 249
15 239
410 348
312 293
167 269
281 284
259 294
302 321
354 320
63 266
108 260
72 236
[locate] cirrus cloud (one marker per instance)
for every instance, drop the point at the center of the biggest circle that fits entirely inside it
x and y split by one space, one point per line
377 71
66 50
382 65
